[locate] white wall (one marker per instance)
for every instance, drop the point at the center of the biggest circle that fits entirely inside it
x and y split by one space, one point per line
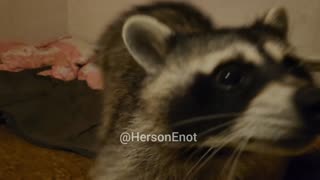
32 20
87 18
4 30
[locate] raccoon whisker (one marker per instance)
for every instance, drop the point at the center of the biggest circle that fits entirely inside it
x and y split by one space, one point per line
205 118
209 154
197 166
210 130
230 160
214 153
233 136
235 162
192 153
201 158
215 117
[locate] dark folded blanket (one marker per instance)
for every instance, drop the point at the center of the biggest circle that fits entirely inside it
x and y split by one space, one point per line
50 113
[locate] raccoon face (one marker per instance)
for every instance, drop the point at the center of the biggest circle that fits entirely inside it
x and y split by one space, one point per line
229 86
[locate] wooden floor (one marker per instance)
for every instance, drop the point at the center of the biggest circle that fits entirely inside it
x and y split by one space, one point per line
20 160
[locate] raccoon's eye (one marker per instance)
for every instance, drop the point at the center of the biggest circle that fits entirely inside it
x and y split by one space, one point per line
296 67
231 76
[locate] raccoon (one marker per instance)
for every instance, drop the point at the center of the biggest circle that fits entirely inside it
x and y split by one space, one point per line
167 68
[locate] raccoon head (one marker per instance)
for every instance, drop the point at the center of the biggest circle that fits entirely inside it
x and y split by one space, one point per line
230 86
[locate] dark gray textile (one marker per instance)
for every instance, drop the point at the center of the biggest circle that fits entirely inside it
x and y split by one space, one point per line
50 113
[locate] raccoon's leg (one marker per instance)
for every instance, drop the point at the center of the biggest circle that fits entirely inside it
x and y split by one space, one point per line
111 164
136 162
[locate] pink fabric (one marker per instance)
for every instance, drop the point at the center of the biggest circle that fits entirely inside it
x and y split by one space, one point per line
65 59
6 46
92 75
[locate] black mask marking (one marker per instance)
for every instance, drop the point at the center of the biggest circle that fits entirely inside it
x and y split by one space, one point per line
228 89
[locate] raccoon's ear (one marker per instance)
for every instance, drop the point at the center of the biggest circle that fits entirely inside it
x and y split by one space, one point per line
278 19
146 39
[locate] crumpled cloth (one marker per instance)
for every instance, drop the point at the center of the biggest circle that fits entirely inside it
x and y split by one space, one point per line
67 59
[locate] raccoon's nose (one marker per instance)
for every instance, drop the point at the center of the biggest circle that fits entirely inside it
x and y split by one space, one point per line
308 102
